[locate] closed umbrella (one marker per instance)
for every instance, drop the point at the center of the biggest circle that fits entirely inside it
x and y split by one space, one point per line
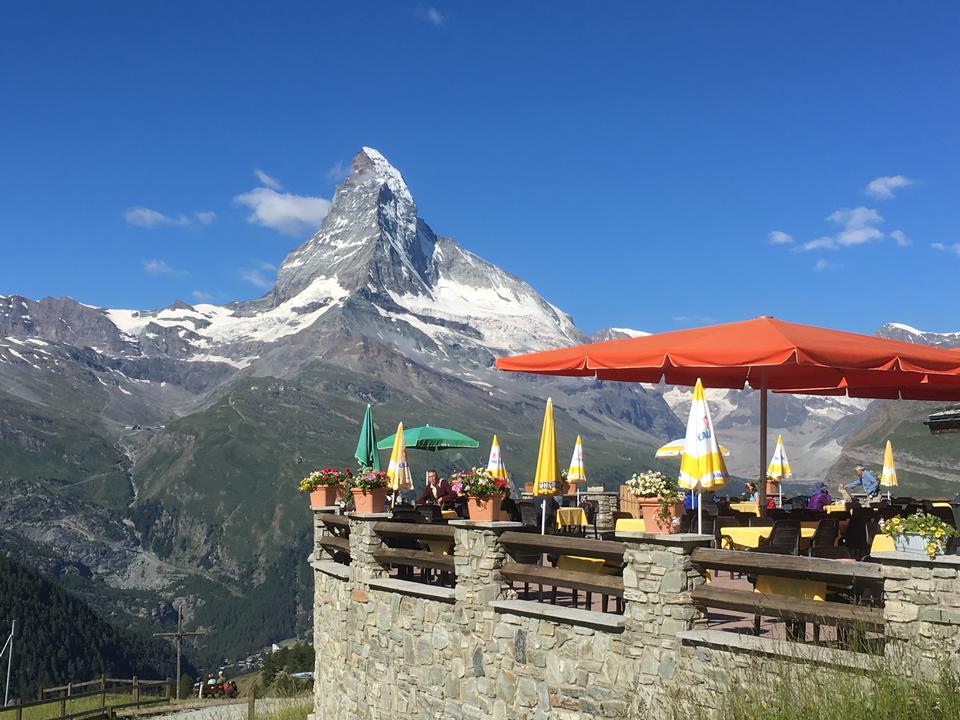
546 481
576 473
701 465
674 448
495 466
779 468
888 478
398 471
366 453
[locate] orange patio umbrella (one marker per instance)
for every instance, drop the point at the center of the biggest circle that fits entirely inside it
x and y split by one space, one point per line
765 354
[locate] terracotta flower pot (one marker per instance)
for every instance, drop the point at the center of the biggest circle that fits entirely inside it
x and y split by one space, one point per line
369 501
650 507
325 495
773 489
484 509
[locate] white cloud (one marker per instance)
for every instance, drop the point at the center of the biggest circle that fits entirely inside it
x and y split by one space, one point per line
201 296
160 267
694 319
778 237
268 266
145 217
255 278
287 213
954 248
270 182
822 265
821 243
882 187
431 15
900 237
858 225
205 218
337 172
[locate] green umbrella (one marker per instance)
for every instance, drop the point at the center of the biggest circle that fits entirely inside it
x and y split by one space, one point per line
366 453
431 438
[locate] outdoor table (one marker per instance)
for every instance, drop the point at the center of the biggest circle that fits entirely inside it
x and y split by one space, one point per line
942 504
448 514
748 507
749 537
882 543
630 525
439 547
791 587
835 508
580 564
571 516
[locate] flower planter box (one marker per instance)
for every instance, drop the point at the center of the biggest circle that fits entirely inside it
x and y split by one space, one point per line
325 495
369 501
484 509
913 543
650 508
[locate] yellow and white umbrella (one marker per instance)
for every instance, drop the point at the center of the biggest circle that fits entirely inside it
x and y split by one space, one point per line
495 466
576 473
546 481
701 464
779 468
398 471
674 448
888 478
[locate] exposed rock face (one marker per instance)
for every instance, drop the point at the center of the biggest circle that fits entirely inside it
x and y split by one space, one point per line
899 331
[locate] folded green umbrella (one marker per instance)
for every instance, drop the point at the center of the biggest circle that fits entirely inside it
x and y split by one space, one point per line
366 453
431 438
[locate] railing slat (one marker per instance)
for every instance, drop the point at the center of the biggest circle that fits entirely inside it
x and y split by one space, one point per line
425 531
834 572
414 558
611 585
564 545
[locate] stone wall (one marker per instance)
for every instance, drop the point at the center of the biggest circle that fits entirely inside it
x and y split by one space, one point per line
399 650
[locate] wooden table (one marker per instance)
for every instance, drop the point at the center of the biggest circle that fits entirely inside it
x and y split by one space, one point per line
630 525
747 507
571 516
749 537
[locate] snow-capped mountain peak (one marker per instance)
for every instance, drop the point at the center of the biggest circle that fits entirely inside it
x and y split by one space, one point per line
908 333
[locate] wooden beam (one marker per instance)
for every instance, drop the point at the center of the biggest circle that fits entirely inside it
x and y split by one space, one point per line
564 545
334 544
789 608
541 575
832 572
414 558
424 531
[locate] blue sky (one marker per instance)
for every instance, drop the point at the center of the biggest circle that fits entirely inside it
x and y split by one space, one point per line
628 160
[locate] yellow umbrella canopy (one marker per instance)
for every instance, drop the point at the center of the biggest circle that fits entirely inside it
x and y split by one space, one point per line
779 468
546 481
495 466
701 464
399 470
674 448
888 478
576 472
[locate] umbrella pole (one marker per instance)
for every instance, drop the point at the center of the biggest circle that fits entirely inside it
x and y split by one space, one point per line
780 489
763 443
543 517
699 513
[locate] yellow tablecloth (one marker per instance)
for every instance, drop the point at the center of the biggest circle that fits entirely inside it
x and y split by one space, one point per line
941 504
835 508
630 525
449 514
749 537
580 564
804 589
882 543
750 507
440 547
571 516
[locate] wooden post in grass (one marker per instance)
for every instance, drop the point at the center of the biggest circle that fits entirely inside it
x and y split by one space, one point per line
251 705
18 714
168 692
63 706
103 690
69 688
136 690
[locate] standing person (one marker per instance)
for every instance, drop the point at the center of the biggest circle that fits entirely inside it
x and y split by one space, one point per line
437 491
865 479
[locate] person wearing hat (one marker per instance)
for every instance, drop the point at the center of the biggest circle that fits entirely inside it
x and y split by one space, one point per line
866 480
820 498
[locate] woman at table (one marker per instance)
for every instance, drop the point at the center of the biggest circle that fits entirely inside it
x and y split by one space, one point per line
820 498
753 495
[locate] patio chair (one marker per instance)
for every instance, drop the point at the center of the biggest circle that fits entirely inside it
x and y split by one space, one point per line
784 539
431 513
825 536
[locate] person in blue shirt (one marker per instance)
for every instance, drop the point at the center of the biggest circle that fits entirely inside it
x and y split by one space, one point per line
866 480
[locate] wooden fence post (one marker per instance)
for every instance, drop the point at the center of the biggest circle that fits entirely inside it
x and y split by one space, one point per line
69 688
63 706
103 690
168 692
136 690
19 712
251 705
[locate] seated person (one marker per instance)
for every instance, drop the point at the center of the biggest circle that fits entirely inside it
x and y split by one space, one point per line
753 495
820 498
437 490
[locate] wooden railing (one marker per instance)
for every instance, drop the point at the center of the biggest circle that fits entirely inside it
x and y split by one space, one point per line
337 543
528 550
101 700
855 581
426 547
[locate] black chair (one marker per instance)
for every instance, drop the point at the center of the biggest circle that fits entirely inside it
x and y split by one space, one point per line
431 513
858 536
528 514
784 539
406 514
945 514
509 506
825 536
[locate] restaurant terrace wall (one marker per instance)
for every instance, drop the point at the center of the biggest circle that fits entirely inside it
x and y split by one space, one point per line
389 648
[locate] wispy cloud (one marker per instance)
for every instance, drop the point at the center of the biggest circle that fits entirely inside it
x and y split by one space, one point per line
160 267
145 217
148 218
900 238
694 319
337 172
857 226
429 14
822 265
778 237
270 182
201 295
268 266
256 277
882 188
954 248
285 212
